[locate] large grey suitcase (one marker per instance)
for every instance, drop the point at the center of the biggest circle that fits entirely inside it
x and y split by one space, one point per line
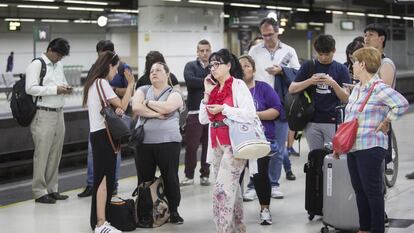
339 202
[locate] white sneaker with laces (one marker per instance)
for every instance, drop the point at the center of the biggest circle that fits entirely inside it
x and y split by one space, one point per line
106 228
276 193
249 195
187 181
204 181
265 217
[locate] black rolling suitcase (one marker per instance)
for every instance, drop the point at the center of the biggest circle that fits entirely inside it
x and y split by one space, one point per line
314 182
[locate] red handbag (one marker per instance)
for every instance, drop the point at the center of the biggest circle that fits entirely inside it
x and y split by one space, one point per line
345 136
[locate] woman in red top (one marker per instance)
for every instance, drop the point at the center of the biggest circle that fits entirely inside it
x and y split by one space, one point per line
226 96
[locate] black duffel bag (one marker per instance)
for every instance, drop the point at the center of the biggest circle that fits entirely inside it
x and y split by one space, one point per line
121 214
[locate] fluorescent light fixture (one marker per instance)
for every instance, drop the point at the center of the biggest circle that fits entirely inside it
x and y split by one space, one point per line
302 9
4 5
125 11
172 0
316 24
337 12
84 21
206 2
87 2
38 7
393 17
39 0
408 18
226 16
355 13
20 20
245 5
376 15
84 9
282 8
55 20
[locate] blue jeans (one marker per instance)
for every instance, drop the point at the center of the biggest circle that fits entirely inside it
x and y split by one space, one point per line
366 171
89 180
281 156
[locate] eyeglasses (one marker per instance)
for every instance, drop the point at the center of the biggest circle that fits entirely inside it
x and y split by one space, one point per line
215 64
268 35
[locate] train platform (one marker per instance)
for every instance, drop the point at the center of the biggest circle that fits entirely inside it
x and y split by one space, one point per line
289 215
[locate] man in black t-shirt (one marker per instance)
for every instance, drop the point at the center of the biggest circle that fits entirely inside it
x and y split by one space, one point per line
327 93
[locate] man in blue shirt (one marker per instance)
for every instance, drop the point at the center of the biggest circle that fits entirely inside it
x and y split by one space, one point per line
328 92
119 84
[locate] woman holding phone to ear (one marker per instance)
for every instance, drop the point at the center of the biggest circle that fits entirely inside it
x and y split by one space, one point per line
228 98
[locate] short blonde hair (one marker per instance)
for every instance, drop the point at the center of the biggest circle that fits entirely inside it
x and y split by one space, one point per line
371 56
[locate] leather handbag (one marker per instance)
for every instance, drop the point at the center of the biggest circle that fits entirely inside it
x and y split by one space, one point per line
248 140
121 214
345 136
151 204
118 127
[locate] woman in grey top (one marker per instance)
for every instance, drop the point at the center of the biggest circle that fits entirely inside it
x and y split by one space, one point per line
159 104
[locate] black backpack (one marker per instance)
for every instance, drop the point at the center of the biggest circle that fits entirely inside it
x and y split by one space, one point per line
299 106
22 105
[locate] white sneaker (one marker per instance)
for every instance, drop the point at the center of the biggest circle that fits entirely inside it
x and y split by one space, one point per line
276 193
187 181
265 217
204 181
106 228
249 195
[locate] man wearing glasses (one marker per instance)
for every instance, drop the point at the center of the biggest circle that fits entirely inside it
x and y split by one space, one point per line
272 57
48 125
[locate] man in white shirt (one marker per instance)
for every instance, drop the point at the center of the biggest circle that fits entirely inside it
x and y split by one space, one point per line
271 56
48 125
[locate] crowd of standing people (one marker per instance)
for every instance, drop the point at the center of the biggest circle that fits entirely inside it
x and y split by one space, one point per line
221 86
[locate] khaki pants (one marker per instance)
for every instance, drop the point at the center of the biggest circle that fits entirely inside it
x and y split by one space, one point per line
48 132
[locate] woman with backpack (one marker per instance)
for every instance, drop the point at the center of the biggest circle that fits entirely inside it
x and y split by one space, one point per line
104 157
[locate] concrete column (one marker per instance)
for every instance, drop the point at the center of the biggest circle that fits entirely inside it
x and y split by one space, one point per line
174 29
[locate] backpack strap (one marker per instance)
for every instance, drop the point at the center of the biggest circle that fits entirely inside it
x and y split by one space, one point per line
42 74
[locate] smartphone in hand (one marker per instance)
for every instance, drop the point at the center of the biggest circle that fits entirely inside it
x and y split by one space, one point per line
211 79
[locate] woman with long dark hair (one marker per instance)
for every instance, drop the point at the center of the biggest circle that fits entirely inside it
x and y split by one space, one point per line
104 156
225 96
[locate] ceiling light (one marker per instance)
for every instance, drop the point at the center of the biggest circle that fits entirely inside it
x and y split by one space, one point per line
38 7
4 5
125 11
84 9
206 2
281 30
102 21
20 20
84 21
316 24
302 9
87 2
226 16
393 17
54 20
376 15
408 18
39 0
355 13
245 5
282 8
272 15
172 0
337 12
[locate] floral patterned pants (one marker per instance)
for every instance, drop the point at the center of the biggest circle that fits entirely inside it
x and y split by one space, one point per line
227 198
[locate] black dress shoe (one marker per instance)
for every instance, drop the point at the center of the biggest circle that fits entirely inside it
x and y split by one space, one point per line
86 193
175 218
290 176
58 196
45 199
410 176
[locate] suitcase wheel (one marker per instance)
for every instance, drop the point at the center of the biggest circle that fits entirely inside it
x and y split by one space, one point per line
325 229
311 216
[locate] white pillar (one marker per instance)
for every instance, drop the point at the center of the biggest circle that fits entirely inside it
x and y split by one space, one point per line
174 29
